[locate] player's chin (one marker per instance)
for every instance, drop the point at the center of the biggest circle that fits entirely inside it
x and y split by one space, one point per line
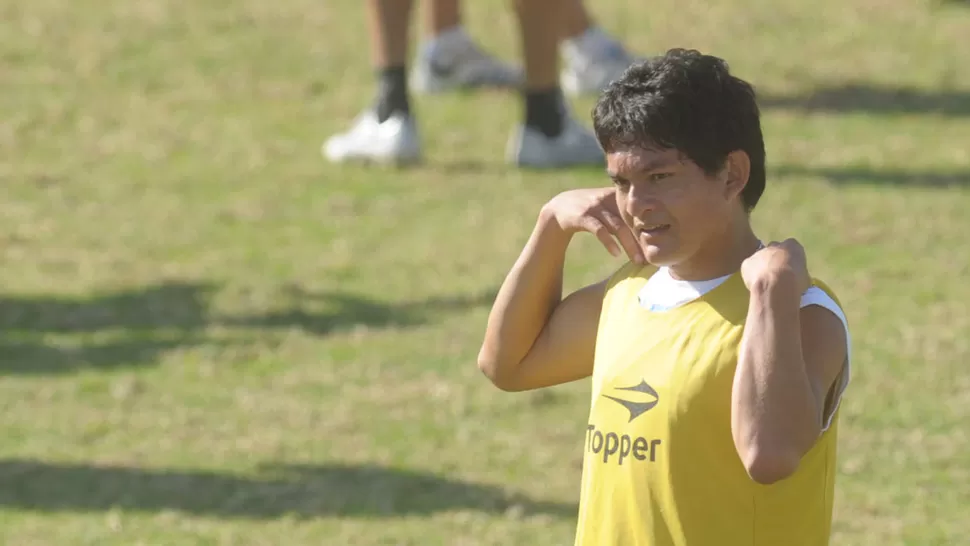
661 255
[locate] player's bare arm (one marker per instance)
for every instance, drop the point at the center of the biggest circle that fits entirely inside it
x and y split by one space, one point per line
536 338
790 359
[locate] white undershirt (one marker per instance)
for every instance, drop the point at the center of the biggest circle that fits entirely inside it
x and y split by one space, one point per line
663 293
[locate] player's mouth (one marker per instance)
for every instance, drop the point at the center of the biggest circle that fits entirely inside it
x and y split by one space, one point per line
651 230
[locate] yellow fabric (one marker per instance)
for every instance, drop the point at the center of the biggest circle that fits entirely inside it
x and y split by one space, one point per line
660 467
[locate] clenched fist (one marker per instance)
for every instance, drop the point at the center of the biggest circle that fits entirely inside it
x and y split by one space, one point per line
775 264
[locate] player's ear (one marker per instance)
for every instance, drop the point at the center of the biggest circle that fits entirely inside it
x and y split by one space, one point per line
737 169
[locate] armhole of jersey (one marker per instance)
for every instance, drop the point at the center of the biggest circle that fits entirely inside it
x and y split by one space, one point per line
612 281
817 296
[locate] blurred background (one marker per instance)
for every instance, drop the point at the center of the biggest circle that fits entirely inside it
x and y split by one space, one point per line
211 335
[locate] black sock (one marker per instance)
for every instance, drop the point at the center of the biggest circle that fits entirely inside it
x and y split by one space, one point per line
392 93
543 111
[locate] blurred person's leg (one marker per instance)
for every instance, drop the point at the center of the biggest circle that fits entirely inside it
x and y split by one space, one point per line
386 131
389 22
549 136
575 20
591 57
448 58
440 16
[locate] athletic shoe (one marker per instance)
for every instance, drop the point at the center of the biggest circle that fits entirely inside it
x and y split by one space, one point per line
453 61
574 146
591 61
368 141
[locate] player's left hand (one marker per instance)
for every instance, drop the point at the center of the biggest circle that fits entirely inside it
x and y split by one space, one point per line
777 264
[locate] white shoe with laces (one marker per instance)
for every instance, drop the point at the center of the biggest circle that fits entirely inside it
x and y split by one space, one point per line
452 60
394 141
574 146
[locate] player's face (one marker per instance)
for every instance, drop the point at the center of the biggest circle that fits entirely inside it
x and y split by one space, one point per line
673 207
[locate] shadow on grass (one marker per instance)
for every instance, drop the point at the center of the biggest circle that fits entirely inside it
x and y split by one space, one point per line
50 334
861 97
302 491
865 175
324 312
179 306
56 334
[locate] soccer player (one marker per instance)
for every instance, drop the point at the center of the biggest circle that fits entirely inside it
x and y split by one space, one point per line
548 137
717 361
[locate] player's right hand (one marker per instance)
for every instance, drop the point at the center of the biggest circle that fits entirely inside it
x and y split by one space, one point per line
595 211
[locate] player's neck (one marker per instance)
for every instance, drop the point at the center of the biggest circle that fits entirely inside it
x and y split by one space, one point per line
721 255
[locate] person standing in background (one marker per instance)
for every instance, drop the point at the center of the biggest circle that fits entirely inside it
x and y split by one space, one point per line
449 59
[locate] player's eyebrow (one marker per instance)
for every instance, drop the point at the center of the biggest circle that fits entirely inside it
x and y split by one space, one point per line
649 166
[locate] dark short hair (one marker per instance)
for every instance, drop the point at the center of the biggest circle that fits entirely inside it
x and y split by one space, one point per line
686 101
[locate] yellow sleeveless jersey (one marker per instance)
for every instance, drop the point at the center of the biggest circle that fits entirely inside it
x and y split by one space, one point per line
660 466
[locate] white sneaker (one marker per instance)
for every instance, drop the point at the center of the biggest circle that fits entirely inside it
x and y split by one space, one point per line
574 146
591 61
452 60
394 141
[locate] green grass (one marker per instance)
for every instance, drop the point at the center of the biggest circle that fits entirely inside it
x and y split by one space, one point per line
210 336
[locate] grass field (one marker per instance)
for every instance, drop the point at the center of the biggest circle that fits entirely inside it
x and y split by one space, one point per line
210 336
